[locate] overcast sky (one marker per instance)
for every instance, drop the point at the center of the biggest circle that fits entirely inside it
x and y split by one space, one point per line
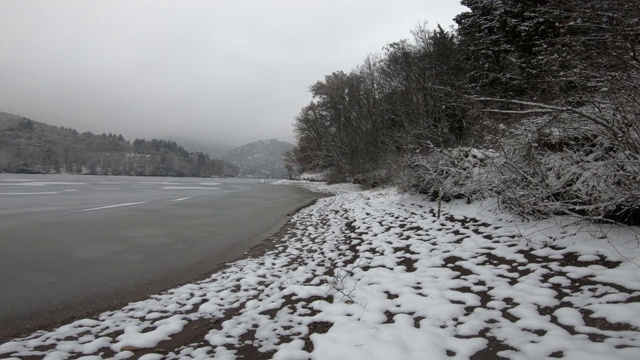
219 72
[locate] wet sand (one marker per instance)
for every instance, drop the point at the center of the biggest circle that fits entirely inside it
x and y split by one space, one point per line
58 263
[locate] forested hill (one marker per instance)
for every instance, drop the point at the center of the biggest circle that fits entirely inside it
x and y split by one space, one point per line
263 158
535 103
28 146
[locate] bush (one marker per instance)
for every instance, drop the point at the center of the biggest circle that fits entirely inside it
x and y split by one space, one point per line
544 167
454 173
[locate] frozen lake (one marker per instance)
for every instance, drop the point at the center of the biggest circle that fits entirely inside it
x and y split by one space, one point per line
72 245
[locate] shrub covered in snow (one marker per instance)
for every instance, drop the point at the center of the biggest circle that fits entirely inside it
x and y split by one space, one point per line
569 166
312 176
452 173
542 166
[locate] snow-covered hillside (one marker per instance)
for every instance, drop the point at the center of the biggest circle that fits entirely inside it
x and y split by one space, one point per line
262 159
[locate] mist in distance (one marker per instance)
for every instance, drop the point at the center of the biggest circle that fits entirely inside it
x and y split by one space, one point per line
215 74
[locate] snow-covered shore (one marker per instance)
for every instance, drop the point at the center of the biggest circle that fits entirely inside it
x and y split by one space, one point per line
375 275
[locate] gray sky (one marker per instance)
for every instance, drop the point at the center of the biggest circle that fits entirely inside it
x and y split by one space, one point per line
220 72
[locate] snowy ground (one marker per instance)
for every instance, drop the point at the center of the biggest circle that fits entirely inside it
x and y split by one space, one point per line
375 275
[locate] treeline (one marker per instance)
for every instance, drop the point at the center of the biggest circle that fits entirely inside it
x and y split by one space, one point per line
27 146
534 102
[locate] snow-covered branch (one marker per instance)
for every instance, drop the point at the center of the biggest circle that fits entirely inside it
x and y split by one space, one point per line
540 107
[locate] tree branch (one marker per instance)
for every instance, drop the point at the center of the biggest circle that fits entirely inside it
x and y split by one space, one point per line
554 108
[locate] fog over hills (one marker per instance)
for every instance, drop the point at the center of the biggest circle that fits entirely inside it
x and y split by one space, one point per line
263 158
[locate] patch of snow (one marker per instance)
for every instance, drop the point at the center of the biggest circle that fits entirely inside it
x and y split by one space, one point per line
323 188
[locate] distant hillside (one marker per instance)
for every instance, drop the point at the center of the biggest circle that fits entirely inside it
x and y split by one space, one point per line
263 159
214 150
28 146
